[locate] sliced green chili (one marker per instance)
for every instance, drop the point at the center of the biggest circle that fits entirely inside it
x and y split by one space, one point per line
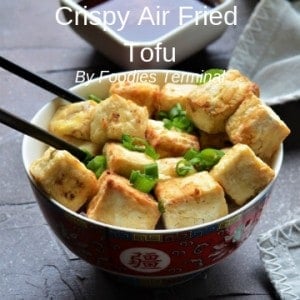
134 143
184 167
176 119
142 182
176 111
150 151
209 157
198 161
97 165
94 98
151 170
139 145
146 181
191 153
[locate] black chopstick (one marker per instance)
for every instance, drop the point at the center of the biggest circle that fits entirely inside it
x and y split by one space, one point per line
41 82
39 134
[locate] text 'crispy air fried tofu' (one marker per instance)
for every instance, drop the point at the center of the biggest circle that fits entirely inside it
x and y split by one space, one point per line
191 200
64 178
172 94
118 203
258 126
73 120
241 173
211 104
122 161
142 93
169 143
116 116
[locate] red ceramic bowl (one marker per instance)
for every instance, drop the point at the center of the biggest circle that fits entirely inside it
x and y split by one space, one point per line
144 257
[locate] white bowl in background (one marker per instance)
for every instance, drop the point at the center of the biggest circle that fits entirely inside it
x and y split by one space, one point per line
185 40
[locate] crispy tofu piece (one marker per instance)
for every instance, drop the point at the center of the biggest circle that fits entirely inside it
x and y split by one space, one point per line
241 173
73 120
142 93
172 94
118 203
167 167
64 178
211 104
169 143
116 116
122 161
258 126
191 200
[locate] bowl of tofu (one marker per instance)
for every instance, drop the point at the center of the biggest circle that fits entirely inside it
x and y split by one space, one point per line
179 171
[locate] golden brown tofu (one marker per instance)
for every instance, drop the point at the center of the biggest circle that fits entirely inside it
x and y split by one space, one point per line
64 178
122 161
142 93
167 167
73 120
241 173
258 126
191 200
118 203
172 94
211 104
169 143
116 116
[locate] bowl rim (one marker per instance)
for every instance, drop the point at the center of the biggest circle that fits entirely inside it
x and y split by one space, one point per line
277 163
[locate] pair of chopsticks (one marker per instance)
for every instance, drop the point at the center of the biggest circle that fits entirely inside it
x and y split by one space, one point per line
30 129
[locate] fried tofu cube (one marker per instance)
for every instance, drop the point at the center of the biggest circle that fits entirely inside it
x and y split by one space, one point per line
211 104
258 126
64 178
167 167
142 93
169 143
241 173
191 200
172 94
116 116
118 203
122 161
73 120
